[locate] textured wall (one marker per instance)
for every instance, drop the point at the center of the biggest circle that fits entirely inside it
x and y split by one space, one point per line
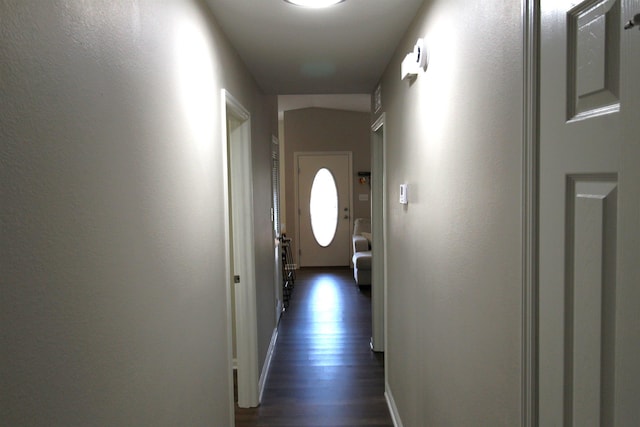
113 301
454 292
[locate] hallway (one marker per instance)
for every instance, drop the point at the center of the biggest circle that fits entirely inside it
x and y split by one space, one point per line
323 372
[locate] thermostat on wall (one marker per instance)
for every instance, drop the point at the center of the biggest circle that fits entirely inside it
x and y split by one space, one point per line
403 194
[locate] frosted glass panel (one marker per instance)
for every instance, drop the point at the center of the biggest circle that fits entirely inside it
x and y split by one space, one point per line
323 207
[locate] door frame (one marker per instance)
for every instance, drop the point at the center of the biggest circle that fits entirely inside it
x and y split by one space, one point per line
239 246
378 228
275 217
530 210
296 155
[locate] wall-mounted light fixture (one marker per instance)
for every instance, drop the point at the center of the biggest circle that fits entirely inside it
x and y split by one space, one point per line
415 61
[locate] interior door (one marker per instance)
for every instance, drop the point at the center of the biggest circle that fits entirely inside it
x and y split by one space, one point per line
324 209
589 295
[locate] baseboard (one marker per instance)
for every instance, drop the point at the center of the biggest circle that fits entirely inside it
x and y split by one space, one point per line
279 310
393 409
235 364
267 364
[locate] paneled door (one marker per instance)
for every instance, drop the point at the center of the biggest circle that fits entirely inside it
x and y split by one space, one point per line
324 209
589 282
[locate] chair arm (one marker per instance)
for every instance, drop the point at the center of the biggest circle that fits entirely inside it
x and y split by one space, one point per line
360 243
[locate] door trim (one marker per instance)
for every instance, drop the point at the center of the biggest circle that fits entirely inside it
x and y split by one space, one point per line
378 228
238 207
275 156
296 155
530 203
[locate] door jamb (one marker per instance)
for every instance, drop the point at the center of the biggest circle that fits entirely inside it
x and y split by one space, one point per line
238 210
379 229
530 204
275 154
296 155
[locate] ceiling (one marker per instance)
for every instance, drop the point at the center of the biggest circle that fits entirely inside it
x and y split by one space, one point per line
292 50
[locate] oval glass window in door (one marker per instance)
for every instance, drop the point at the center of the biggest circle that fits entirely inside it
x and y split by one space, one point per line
323 207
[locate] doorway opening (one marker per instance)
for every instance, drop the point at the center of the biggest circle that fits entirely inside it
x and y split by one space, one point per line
323 189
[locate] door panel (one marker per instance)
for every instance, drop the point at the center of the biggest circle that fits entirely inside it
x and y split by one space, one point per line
588 200
337 253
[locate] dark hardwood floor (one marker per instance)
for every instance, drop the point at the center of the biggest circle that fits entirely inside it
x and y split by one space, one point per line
323 372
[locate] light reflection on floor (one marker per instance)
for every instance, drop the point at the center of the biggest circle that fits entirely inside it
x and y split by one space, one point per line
330 341
323 371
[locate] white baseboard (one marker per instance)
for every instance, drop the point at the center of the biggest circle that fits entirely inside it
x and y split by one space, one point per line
235 364
279 311
267 364
393 409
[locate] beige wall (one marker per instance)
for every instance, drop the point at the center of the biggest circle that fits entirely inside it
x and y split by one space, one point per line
264 110
321 129
113 306
454 298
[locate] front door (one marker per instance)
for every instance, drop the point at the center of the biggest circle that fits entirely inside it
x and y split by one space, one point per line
589 295
324 209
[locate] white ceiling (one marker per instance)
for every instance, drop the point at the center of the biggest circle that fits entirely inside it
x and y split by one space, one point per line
294 50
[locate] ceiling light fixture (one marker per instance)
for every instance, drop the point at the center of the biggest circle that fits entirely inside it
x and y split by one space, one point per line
315 4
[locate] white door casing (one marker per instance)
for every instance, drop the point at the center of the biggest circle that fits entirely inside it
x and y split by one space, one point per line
589 214
239 246
310 252
275 219
378 230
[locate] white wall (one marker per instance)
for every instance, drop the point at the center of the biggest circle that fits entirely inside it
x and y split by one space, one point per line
113 302
454 292
265 125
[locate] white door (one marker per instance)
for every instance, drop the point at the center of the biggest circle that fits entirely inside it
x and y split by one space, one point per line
324 209
589 295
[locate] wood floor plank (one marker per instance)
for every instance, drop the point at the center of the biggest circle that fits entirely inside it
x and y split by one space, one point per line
323 373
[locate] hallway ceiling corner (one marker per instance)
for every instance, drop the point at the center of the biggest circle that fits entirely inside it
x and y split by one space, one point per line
293 50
